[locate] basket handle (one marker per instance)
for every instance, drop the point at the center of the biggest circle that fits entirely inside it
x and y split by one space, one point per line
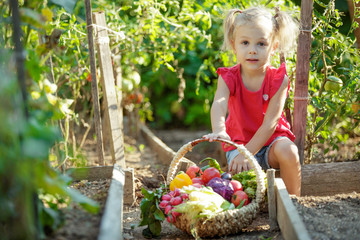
260 175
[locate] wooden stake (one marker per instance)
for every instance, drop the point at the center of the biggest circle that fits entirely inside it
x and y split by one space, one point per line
302 76
351 4
94 86
108 82
270 175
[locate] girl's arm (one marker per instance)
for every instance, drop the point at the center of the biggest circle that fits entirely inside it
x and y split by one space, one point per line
218 111
262 135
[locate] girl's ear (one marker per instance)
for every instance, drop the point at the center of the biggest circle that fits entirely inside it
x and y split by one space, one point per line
232 45
274 47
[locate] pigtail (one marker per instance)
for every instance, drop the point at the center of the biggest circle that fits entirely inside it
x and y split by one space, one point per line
229 27
286 31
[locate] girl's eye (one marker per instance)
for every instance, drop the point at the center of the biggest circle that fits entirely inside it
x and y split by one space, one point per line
262 44
245 42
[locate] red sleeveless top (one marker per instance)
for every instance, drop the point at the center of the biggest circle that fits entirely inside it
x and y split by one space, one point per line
247 108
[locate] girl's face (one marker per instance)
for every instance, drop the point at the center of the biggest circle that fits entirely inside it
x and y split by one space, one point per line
252 46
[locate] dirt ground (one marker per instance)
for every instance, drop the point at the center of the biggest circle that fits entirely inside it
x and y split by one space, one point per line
331 217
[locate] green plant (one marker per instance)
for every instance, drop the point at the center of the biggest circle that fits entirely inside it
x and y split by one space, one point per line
31 190
334 58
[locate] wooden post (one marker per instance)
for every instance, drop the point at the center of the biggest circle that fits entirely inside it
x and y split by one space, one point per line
270 175
107 78
351 4
94 86
302 76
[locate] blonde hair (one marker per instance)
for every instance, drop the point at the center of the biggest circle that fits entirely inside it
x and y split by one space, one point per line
285 29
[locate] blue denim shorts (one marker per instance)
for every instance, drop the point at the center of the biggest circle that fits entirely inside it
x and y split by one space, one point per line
262 156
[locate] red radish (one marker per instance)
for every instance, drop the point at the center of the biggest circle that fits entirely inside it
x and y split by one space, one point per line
166 197
176 201
175 214
163 204
184 196
168 208
170 219
176 192
236 185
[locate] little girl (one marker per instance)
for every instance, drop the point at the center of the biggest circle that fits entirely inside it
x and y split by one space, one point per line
253 92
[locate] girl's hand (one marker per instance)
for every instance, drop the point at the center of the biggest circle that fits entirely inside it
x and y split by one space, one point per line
213 136
239 164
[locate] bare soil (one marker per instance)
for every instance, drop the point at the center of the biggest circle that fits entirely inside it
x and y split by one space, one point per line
331 217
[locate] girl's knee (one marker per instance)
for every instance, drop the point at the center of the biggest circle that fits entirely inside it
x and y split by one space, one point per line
286 150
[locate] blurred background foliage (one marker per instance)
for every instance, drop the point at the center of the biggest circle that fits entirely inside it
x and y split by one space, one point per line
166 64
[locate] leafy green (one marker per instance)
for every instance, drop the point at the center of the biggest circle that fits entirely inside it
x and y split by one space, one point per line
151 215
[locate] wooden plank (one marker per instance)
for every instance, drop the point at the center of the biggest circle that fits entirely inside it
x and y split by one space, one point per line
90 173
94 86
165 154
107 77
302 76
111 227
326 179
290 223
270 175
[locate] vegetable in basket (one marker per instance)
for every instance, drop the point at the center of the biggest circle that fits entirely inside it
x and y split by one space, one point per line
221 186
209 174
203 202
180 180
169 201
194 171
212 163
248 181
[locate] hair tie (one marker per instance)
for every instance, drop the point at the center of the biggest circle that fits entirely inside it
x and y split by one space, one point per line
237 11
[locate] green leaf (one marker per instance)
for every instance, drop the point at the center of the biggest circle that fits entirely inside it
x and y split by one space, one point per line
147 194
159 215
88 204
155 228
68 5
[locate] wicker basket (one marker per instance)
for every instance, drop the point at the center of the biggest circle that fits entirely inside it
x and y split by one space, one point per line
227 222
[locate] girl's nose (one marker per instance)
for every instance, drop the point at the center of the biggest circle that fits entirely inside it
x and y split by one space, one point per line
252 50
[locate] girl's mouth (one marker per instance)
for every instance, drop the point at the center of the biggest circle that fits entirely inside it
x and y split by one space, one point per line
252 60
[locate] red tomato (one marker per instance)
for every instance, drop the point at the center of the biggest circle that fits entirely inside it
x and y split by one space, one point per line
88 77
236 185
194 172
238 197
198 180
209 174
